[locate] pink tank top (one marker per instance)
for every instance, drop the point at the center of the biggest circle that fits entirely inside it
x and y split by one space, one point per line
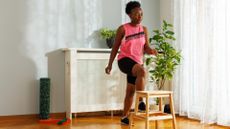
132 45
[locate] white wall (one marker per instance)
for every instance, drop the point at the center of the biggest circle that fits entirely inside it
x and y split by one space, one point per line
151 15
18 73
28 32
113 17
166 10
166 13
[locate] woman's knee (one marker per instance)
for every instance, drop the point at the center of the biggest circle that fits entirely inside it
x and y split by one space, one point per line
139 71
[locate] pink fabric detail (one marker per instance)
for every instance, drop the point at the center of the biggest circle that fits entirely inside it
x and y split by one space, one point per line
132 45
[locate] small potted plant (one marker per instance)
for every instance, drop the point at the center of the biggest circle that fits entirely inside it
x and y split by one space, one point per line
108 35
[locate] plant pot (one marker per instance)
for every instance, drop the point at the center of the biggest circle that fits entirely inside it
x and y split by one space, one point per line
110 42
167 108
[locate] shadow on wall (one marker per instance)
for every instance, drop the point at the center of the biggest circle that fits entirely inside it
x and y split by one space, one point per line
56 69
18 81
95 41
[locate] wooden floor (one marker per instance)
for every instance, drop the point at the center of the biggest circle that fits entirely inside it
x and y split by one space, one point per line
101 122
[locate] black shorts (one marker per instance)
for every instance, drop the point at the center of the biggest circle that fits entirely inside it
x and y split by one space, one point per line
126 65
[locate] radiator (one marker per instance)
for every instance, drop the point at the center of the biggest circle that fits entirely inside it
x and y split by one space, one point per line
87 87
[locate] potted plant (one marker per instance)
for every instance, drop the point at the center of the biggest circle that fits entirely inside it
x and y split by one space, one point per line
108 35
167 59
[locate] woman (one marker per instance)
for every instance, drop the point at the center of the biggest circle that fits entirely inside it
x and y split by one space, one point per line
132 39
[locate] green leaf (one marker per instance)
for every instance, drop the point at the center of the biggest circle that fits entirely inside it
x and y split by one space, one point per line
156 31
157 37
170 32
107 33
150 40
149 61
165 23
170 25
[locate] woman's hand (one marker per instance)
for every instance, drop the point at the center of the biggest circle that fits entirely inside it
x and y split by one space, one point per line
108 69
151 51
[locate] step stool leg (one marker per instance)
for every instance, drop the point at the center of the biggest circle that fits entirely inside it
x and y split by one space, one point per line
172 111
160 104
131 120
147 112
156 124
136 104
146 123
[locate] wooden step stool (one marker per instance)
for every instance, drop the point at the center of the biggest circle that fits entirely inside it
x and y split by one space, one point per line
153 115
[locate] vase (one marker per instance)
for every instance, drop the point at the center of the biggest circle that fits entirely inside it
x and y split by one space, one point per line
110 42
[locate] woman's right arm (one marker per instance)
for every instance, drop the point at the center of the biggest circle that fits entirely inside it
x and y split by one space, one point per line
119 35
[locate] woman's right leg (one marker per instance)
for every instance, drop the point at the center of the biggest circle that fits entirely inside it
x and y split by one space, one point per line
139 71
130 90
139 85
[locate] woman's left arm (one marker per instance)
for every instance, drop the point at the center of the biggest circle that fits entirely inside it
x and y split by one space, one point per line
147 48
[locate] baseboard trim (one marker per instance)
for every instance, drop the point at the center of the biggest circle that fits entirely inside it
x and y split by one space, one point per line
99 113
62 115
31 116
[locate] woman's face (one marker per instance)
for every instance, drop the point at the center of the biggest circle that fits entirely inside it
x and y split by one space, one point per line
136 15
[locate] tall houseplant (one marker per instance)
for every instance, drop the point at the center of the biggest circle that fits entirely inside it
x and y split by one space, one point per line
168 57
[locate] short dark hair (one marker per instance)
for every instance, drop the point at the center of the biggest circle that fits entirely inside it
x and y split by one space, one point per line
131 5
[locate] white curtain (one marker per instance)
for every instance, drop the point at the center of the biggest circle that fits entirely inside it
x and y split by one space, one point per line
202 83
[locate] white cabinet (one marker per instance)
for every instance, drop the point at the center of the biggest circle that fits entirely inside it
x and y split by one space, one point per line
87 87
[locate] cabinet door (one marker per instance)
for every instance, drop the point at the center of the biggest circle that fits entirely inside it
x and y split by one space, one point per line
95 90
